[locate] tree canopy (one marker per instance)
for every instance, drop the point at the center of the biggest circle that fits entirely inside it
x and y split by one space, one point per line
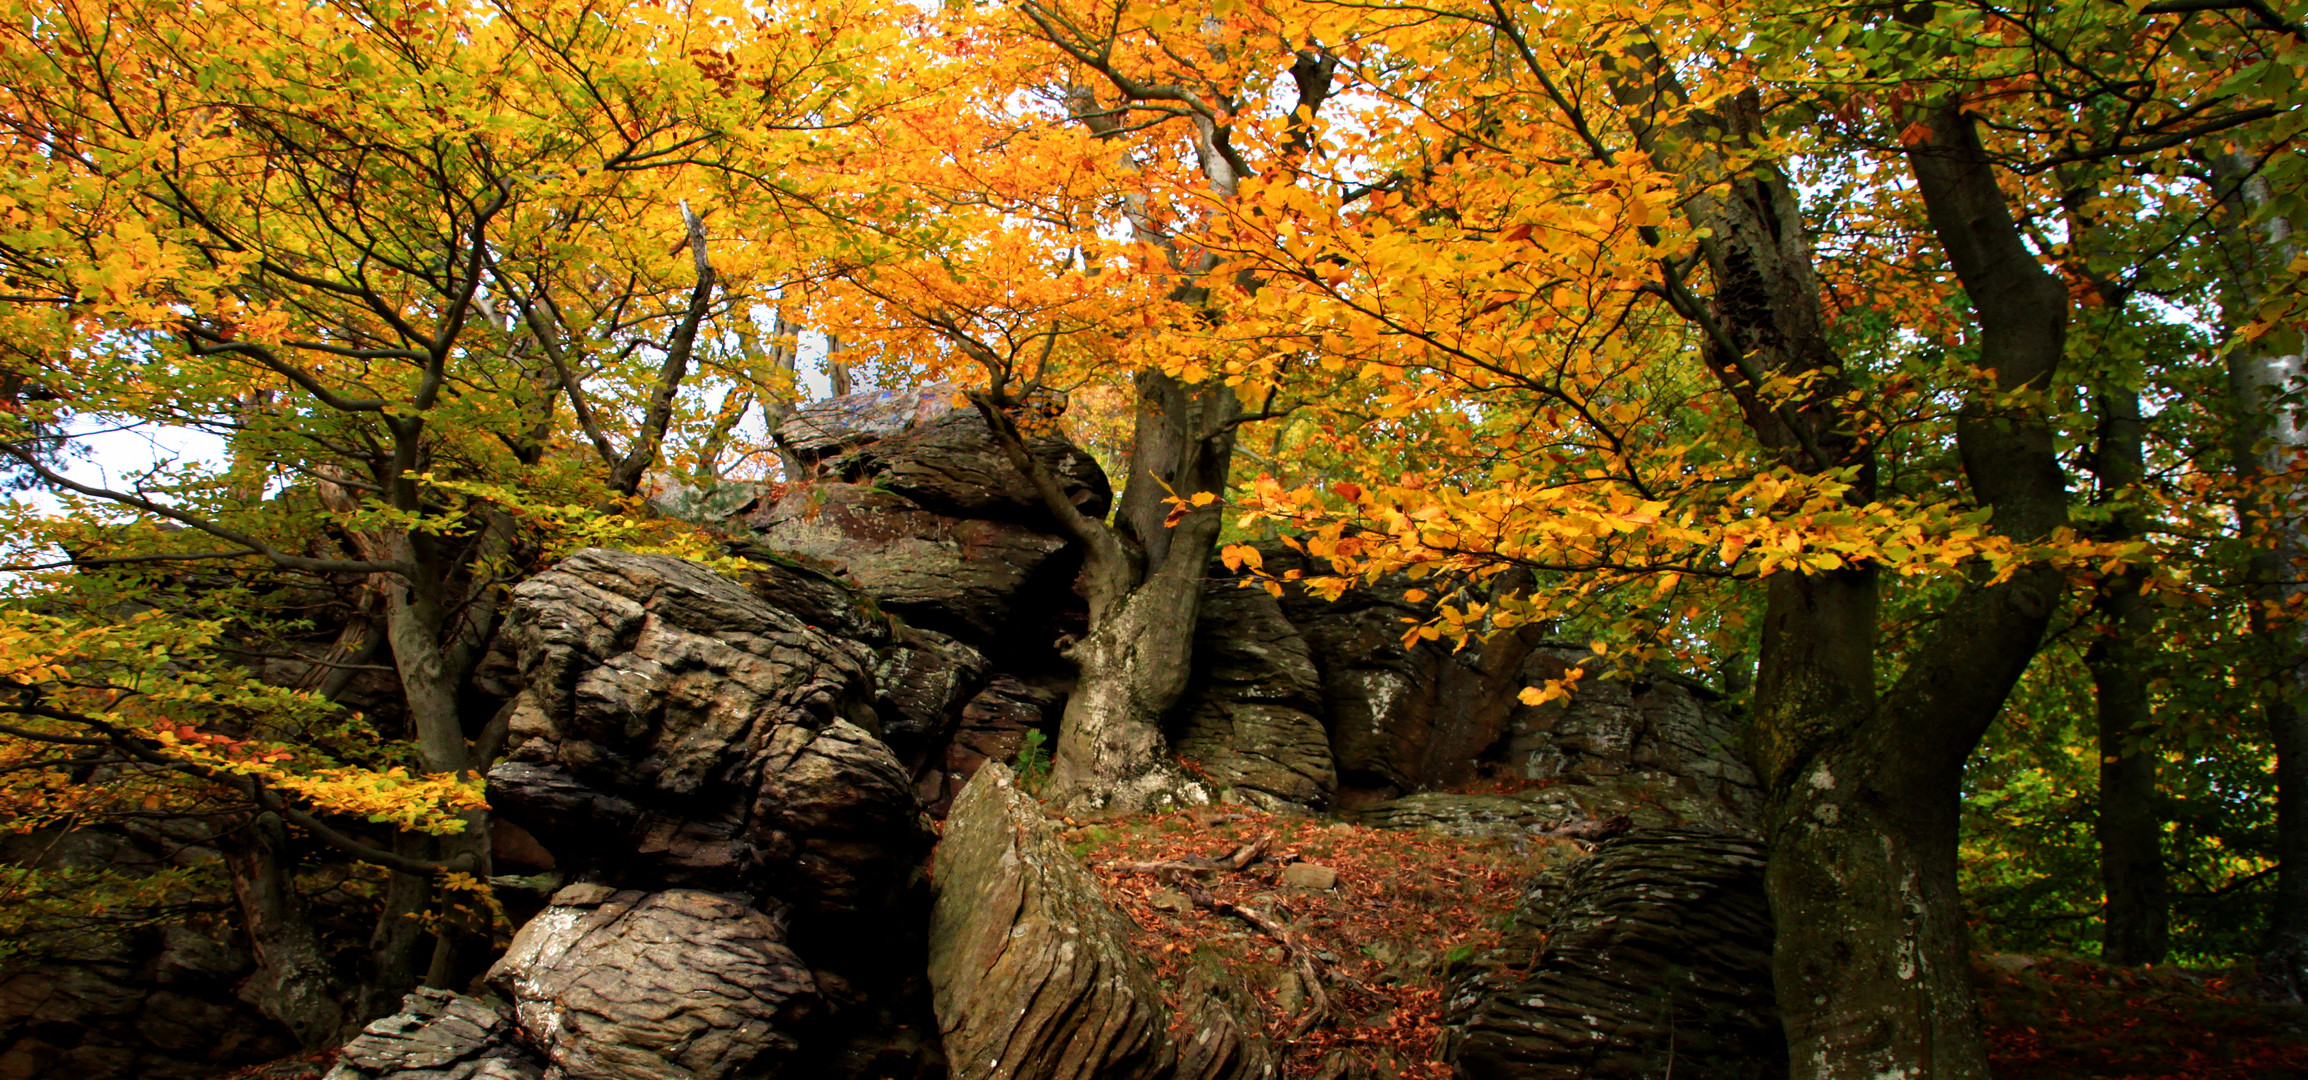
1924 377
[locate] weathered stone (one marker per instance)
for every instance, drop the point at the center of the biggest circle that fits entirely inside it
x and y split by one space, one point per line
1657 731
709 504
1655 949
962 576
1032 972
813 594
921 684
1274 757
821 429
678 733
1306 875
676 730
1250 722
951 464
674 985
438 1035
140 1002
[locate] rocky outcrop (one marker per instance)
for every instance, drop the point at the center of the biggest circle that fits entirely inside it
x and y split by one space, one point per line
1252 721
674 730
674 985
1033 973
969 577
687 749
1650 958
438 1035
103 995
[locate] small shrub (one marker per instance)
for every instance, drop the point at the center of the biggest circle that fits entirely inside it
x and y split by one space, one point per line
1032 763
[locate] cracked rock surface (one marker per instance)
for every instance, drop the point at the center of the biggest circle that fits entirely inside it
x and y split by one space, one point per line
674 985
438 1035
1033 973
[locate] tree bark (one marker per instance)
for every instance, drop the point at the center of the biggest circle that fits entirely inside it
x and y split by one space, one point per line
2268 443
294 982
2136 924
1872 964
1144 579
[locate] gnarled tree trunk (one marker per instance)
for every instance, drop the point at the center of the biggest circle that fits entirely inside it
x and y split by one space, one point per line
1872 964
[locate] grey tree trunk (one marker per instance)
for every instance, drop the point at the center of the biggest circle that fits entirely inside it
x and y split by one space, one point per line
2136 923
1872 964
2268 439
1144 577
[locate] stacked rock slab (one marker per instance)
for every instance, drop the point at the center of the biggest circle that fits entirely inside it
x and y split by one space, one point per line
708 765
438 1035
1251 720
1034 975
1650 958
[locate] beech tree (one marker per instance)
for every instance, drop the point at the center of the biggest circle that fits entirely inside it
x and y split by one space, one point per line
371 250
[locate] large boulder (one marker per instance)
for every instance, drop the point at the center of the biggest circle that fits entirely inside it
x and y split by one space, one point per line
675 730
974 578
438 1035
1650 958
1251 715
1034 975
674 985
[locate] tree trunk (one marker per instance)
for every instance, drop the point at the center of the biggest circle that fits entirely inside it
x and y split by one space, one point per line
1133 665
2136 927
1872 964
2269 440
293 983
398 947
1144 580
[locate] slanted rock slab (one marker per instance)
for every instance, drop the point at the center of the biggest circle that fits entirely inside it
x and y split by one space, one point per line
438 1035
1033 975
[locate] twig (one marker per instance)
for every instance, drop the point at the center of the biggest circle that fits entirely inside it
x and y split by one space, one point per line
1302 958
1199 864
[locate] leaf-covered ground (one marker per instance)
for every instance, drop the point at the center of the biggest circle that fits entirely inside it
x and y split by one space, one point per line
1405 906
2074 1019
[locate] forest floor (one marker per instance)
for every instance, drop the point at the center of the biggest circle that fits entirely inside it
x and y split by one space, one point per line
1406 905
2065 1019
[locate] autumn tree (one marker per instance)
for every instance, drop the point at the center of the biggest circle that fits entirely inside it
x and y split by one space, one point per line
373 250
1124 140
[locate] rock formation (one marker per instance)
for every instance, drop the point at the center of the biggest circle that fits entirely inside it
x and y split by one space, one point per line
730 785
1033 974
1651 958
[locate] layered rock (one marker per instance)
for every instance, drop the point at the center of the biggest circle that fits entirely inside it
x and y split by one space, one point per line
1033 973
970 577
1251 722
694 753
89 1002
673 985
1650 958
438 1035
